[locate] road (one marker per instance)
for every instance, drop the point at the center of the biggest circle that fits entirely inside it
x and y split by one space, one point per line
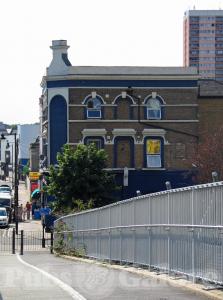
77 280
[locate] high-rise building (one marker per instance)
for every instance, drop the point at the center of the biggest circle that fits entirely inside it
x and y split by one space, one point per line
203 42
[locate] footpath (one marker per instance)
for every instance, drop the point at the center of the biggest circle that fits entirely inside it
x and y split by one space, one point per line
24 197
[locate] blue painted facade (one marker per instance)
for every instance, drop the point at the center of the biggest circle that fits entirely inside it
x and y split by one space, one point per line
152 181
58 126
121 83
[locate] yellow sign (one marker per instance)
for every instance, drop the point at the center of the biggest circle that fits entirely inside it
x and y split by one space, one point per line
34 175
153 147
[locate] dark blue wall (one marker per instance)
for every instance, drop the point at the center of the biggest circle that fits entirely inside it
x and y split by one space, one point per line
58 126
151 181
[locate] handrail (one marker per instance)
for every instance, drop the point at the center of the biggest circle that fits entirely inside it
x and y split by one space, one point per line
219 227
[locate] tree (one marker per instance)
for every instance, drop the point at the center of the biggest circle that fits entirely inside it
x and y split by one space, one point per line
80 176
210 156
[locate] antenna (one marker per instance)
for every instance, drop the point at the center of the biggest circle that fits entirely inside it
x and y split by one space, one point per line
194 7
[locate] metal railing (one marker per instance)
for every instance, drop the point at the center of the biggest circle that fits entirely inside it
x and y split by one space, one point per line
176 231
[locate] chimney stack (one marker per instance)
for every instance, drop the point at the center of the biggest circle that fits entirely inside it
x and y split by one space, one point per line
60 61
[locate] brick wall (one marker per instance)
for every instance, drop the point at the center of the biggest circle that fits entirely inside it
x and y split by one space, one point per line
179 148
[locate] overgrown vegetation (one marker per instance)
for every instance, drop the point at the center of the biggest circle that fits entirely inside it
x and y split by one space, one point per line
64 241
80 180
210 157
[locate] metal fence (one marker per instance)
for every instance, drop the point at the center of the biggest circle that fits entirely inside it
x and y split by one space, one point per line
176 231
24 241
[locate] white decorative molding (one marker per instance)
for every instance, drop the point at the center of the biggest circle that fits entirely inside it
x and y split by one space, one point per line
94 132
124 94
58 92
124 132
120 96
93 94
155 132
154 94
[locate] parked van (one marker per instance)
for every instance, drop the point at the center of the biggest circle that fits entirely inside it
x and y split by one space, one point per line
4 220
5 200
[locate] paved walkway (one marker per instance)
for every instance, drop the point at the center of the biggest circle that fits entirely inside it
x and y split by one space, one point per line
24 197
96 282
18 281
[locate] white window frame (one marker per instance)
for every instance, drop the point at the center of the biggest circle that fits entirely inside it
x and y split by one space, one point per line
93 109
148 109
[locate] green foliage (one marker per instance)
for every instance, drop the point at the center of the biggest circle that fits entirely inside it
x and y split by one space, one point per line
25 170
80 181
63 241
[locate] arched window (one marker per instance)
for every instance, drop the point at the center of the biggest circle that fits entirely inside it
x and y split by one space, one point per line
94 107
153 109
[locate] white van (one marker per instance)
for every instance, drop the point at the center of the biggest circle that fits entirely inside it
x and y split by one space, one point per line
4 220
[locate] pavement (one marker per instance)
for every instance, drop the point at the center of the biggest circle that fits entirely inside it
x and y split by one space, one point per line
86 281
20 282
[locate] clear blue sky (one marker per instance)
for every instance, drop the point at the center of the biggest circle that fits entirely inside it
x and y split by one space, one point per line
99 32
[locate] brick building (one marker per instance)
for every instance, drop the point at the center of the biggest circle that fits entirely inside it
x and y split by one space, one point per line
151 129
210 102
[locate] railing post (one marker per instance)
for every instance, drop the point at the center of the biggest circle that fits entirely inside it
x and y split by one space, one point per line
134 233
43 236
22 242
193 238
168 244
120 230
51 242
109 233
13 241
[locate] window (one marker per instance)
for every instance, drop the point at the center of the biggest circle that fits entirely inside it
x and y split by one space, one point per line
96 141
153 153
93 108
153 109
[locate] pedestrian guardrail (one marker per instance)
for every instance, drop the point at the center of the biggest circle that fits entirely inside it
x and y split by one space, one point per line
176 231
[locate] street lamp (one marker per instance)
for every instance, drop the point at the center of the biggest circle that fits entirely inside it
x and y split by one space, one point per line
16 195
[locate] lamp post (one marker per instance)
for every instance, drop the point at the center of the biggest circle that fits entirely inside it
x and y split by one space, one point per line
16 195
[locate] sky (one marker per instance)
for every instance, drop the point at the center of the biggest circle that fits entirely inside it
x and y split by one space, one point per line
99 33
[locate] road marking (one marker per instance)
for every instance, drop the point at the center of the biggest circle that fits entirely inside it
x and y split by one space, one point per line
68 289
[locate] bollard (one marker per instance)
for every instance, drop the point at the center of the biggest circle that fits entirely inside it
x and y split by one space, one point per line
13 241
21 245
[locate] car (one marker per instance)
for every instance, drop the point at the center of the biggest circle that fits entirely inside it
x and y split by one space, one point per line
4 188
4 220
